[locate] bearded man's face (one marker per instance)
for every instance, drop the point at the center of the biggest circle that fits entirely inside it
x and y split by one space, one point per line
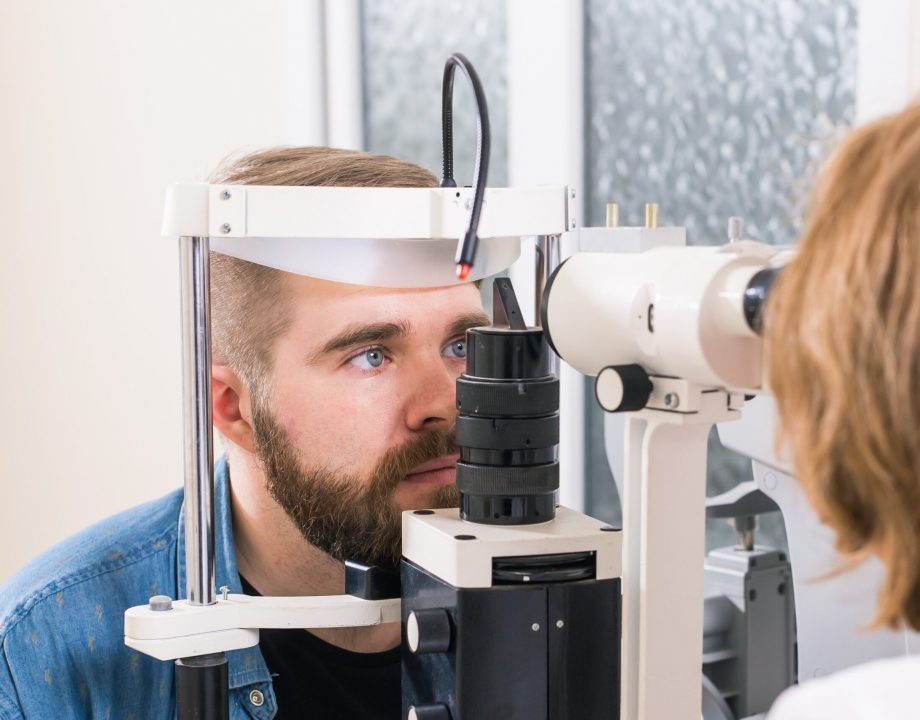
358 422
349 517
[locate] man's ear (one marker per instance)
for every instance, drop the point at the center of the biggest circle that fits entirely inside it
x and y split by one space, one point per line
232 407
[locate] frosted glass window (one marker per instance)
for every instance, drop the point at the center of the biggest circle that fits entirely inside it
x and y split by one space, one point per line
711 109
405 45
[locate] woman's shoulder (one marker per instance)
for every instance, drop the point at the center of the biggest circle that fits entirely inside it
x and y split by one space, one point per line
883 689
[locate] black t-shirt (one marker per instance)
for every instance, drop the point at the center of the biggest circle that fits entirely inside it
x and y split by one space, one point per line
314 680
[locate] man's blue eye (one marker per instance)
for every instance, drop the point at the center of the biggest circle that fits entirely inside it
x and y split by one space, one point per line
458 348
369 359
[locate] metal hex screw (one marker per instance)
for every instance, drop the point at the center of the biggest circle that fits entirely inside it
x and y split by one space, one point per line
225 228
224 592
560 624
535 627
224 194
573 193
672 400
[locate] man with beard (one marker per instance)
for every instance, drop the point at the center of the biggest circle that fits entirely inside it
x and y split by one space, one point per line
336 403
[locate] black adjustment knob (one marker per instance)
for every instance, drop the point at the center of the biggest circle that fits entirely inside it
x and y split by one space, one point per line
435 711
428 631
622 388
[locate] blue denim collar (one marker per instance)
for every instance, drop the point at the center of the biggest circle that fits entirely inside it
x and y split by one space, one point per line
246 666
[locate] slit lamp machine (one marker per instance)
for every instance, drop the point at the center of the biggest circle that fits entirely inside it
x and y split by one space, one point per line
512 607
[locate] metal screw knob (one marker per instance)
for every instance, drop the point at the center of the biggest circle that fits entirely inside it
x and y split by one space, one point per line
159 603
225 195
225 228
735 229
613 215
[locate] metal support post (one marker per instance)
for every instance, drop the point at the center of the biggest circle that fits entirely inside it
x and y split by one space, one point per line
196 412
547 257
201 682
664 544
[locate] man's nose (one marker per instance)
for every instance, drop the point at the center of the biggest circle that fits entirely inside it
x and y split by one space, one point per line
431 399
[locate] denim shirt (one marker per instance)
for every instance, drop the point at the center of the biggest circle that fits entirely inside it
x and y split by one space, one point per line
62 620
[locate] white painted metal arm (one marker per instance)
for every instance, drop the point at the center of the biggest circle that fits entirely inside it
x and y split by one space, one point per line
258 211
234 621
385 237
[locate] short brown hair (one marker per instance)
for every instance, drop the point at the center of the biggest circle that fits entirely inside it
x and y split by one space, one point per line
247 300
843 338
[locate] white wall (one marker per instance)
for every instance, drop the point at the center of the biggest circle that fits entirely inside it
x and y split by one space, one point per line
102 103
888 70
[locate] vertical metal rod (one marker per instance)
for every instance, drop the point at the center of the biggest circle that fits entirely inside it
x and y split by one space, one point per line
547 259
547 255
197 428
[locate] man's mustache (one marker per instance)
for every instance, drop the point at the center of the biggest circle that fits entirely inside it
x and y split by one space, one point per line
399 461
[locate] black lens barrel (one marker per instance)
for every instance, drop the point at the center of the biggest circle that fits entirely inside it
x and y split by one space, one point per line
508 428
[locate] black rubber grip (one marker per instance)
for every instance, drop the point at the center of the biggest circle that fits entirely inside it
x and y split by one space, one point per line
508 434
494 398
530 456
485 480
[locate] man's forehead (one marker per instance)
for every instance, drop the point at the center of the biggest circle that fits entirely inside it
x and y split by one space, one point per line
333 304
317 288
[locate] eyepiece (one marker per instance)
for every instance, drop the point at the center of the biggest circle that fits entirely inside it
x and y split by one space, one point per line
755 297
508 424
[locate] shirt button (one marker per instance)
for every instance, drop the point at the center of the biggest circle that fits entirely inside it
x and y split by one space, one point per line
257 698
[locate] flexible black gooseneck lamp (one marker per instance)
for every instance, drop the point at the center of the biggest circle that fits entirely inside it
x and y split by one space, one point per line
466 249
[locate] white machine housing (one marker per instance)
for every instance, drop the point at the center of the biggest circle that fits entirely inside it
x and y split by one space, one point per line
676 311
431 541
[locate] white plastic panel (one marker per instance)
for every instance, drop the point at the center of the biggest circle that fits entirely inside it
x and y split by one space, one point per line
366 261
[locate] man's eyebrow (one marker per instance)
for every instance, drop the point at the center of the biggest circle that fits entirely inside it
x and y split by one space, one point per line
467 321
360 335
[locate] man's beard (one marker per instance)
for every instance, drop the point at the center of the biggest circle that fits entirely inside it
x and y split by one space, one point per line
342 514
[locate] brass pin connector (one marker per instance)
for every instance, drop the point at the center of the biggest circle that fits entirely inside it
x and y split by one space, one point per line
613 215
651 215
